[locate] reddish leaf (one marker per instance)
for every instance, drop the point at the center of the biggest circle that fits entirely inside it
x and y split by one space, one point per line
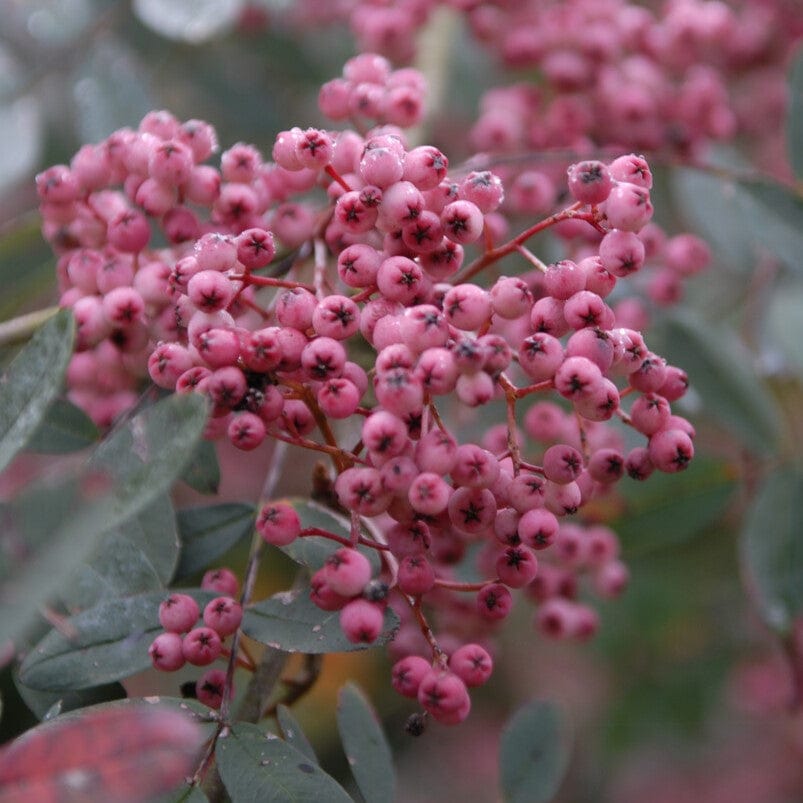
125 754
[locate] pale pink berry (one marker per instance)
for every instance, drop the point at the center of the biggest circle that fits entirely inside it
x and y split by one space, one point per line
462 222
442 694
178 613
416 575
278 523
483 189
223 615
628 207
166 652
590 182
201 646
223 581
472 664
494 602
338 398
538 528
621 253
361 621
516 566
255 248
671 450
407 674
347 572
129 231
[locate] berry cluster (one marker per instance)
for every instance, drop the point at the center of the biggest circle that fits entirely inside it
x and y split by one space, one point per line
291 314
670 77
184 642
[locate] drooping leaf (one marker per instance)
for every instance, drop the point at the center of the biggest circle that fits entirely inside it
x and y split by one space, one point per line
291 622
61 525
206 533
139 555
262 768
785 324
292 733
32 382
47 705
720 369
187 794
533 754
192 21
671 509
365 745
202 473
738 215
772 547
65 428
107 642
121 753
794 131
312 551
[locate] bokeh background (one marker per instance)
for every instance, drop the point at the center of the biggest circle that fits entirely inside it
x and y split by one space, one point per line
686 691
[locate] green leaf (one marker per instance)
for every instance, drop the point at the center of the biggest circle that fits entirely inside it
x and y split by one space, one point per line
785 324
291 622
772 547
153 448
137 556
206 533
105 643
312 551
65 428
365 745
794 131
737 215
671 509
292 733
47 705
61 525
187 794
31 383
202 473
262 768
533 754
720 370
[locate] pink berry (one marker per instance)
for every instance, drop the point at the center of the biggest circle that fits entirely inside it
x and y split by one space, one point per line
210 686
223 581
472 664
347 572
494 601
201 646
223 615
516 566
166 652
278 523
416 575
407 674
361 621
590 182
442 694
178 613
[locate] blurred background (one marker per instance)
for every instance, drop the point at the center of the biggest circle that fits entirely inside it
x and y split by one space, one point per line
686 692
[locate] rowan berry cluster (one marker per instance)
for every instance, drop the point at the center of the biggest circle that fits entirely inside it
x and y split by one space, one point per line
184 642
291 314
